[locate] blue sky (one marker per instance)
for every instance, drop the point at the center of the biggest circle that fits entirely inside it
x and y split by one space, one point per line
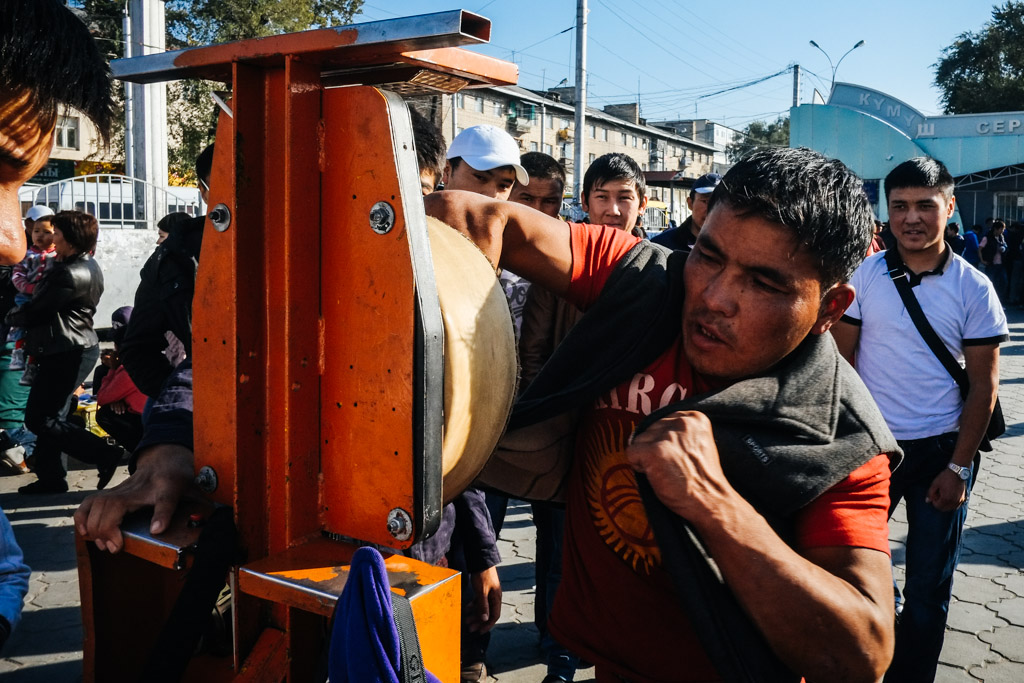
676 51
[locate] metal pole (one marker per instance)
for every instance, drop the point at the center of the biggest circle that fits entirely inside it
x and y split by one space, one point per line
796 85
581 98
129 134
543 112
455 114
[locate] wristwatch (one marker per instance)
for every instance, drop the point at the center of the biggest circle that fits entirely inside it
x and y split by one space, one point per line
963 472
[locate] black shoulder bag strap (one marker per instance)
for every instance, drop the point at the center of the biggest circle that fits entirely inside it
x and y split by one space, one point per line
898 274
412 660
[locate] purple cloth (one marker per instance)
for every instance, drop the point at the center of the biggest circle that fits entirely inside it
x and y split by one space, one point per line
364 640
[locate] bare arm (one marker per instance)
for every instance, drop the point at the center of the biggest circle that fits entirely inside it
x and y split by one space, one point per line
529 243
948 491
827 613
847 336
163 476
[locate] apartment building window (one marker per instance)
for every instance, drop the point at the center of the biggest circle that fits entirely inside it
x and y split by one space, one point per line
645 143
548 149
460 100
565 123
67 132
479 105
591 158
499 109
634 141
592 131
533 146
624 136
551 122
644 167
604 134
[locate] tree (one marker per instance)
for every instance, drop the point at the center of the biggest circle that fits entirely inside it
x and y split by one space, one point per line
760 134
984 71
191 114
190 111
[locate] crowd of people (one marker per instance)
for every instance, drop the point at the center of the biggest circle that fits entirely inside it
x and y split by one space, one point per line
734 444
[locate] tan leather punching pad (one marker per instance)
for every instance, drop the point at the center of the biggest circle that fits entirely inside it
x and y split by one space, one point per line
479 355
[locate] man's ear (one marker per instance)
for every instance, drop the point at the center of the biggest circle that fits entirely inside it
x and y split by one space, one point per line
951 207
643 203
447 173
833 305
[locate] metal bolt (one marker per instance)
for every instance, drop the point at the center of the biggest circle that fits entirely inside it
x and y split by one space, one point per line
382 218
206 480
220 216
400 524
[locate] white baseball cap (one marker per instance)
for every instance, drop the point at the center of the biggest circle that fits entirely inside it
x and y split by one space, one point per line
487 147
38 211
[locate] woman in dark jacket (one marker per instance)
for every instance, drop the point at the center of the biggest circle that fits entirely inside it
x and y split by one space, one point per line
60 339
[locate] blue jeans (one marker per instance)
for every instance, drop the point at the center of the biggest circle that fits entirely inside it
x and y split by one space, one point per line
933 550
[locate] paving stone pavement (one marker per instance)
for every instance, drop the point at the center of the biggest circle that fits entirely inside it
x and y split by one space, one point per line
984 637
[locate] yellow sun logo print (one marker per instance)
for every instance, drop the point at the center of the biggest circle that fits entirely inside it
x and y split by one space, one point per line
614 501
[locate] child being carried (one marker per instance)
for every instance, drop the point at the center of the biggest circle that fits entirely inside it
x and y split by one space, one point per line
26 275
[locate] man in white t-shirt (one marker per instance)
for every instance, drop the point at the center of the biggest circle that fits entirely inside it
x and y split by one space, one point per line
939 431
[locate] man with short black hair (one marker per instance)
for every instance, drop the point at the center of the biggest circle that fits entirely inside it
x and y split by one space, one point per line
546 187
683 237
430 151
938 424
736 328
615 193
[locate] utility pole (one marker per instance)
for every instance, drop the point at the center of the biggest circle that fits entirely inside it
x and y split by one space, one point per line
796 85
455 114
543 116
149 107
581 98
129 137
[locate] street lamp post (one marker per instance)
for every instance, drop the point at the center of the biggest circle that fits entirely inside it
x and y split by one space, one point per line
835 68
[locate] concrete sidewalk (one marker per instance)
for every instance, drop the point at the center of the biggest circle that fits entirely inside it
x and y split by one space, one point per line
984 641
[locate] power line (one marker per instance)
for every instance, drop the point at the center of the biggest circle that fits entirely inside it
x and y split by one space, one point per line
659 45
661 23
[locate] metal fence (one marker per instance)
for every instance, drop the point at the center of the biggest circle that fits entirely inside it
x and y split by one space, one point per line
116 201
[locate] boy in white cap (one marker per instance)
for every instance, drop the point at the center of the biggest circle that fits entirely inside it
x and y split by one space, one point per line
34 214
484 160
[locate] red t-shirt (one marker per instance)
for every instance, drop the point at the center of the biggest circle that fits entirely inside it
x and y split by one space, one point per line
616 606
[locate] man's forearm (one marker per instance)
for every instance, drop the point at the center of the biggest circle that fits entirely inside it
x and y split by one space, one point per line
823 623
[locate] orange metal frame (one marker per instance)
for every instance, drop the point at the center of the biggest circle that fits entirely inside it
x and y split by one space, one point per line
315 323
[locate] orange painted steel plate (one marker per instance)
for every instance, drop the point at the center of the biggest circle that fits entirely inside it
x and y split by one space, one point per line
312 576
368 298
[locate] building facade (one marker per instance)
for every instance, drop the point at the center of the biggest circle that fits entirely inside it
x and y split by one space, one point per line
872 132
77 149
709 132
544 122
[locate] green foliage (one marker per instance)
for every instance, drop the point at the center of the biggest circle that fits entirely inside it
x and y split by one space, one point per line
201 22
760 134
191 113
984 71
